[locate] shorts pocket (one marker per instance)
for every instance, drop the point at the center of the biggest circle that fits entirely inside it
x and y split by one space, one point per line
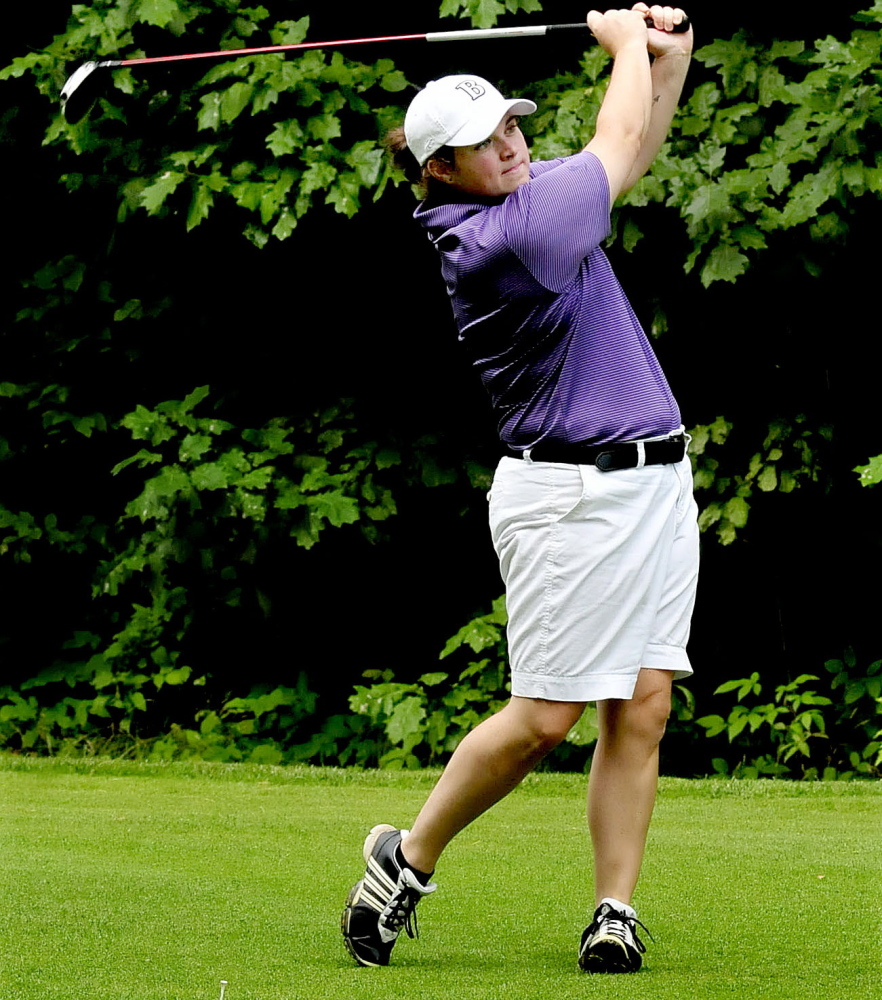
566 491
525 494
686 496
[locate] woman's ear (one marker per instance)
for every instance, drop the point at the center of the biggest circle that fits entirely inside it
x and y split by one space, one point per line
440 170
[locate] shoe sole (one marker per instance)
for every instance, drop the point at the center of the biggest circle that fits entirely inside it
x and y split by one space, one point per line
608 956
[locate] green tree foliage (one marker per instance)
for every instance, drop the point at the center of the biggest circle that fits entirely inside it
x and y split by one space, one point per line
802 732
485 13
789 140
234 224
258 131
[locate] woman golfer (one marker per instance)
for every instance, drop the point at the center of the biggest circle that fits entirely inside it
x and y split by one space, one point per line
591 510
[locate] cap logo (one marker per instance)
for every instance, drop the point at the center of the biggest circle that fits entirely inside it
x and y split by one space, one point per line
473 89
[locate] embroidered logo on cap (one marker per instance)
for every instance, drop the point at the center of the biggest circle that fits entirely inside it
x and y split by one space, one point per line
473 89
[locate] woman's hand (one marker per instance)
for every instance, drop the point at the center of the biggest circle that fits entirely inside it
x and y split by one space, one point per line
662 40
617 29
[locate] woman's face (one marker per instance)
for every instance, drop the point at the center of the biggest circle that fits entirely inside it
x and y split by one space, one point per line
497 166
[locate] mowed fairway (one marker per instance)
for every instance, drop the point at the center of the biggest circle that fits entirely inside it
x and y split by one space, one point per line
149 882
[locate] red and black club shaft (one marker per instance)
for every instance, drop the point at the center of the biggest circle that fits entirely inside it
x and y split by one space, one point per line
76 100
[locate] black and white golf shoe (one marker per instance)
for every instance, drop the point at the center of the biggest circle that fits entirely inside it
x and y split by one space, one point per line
610 942
383 902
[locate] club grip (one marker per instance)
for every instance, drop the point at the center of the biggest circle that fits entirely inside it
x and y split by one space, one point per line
679 29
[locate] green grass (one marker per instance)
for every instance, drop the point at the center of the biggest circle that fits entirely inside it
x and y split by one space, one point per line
154 882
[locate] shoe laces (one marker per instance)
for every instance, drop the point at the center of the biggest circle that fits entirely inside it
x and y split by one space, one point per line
400 911
622 926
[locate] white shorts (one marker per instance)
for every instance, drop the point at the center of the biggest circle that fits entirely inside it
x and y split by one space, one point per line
600 570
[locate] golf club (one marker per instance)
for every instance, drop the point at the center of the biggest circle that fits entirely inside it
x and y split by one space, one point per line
77 97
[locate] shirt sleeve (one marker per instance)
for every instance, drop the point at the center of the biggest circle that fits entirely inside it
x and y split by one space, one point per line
557 219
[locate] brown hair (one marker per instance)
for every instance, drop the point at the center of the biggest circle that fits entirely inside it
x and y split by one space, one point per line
396 146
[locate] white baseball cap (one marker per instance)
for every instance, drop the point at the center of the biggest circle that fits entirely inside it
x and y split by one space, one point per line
457 111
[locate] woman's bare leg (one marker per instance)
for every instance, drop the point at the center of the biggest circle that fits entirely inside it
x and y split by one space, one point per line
491 761
624 778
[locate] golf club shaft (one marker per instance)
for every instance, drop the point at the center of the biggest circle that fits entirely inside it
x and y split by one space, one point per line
433 36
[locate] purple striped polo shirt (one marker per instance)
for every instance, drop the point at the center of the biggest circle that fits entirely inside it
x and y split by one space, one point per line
541 314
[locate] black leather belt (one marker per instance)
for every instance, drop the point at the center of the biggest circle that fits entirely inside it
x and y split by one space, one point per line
608 457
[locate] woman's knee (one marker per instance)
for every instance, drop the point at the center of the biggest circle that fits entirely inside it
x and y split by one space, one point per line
652 715
644 717
547 722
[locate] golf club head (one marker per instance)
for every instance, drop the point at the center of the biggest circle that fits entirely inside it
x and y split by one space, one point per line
82 89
